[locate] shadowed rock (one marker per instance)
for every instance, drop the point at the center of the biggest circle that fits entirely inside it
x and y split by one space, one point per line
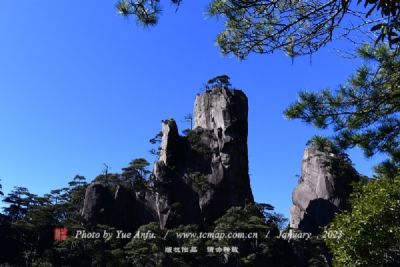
122 210
202 175
98 205
196 178
222 115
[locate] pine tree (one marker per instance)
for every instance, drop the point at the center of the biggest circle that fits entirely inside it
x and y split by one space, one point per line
369 234
19 200
137 173
297 27
365 111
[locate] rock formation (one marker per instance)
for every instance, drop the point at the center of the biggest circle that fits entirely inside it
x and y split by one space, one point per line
123 210
98 204
196 178
221 117
323 190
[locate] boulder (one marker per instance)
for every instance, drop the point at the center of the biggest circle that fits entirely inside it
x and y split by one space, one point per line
122 211
98 204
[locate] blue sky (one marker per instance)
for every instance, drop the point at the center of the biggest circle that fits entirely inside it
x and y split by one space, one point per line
81 86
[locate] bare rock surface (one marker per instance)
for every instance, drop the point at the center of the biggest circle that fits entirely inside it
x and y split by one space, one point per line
323 189
196 177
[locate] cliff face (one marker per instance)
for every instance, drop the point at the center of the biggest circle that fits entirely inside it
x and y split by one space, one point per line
197 177
323 189
202 175
221 117
122 210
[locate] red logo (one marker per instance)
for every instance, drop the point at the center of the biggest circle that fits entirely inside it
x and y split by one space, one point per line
60 233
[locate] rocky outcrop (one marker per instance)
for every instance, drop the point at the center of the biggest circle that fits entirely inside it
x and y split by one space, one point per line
205 173
98 205
222 115
196 178
323 190
123 210
172 198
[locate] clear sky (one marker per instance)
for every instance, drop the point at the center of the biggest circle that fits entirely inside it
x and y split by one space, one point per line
81 86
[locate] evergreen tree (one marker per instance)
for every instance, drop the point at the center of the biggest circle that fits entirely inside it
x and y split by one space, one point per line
297 27
19 200
156 140
365 111
369 234
263 250
221 81
137 173
147 253
1 187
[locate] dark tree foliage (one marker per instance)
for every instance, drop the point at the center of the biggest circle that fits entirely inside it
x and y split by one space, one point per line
88 252
111 180
298 27
28 240
1 187
365 111
271 217
18 200
29 220
156 140
221 81
198 146
325 144
370 233
265 249
137 167
260 251
137 173
71 201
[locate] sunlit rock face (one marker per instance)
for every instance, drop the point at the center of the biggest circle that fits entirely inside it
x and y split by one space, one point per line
197 177
323 189
215 152
220 115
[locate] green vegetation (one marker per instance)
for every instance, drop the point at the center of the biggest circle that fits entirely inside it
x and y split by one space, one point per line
340 163
296 27
324 144
1 187
264 249
365 111
195 141
221 81
199 182
137 173
371 231
141 252
156 140
28 220
27 236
